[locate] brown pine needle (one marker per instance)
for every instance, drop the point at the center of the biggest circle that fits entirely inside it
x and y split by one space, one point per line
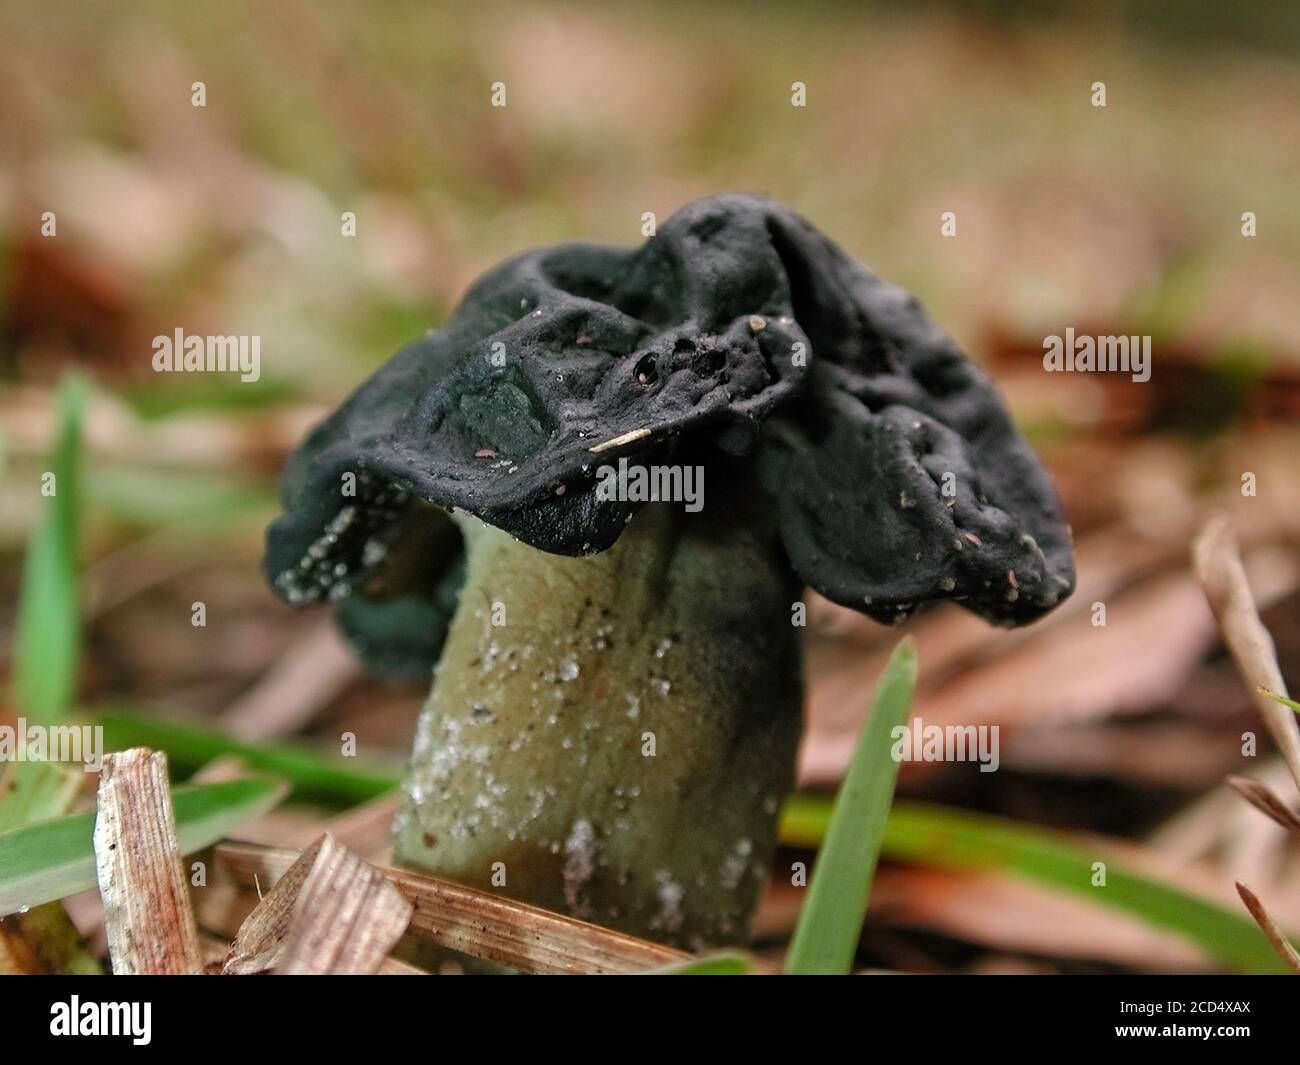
1263 798
1223 577
1270 928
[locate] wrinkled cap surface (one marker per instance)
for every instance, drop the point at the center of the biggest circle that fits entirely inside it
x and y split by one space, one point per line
898 475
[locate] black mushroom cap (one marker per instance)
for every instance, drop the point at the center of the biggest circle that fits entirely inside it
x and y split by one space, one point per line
897 472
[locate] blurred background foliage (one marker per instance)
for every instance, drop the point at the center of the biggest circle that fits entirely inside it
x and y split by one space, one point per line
1124 219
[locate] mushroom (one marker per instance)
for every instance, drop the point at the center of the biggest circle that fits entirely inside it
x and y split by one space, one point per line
616 702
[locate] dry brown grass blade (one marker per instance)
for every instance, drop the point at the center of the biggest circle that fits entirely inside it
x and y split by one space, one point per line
224 906
303 680
259 945
346 919
329 913
1263 798
147 911
1222 575
1203 827
483 925
1270 928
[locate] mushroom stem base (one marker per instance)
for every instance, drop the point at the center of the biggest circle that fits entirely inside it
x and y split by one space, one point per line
611 737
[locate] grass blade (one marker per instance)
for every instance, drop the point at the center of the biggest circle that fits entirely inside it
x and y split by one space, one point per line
710 965
954 839
202 504
48 634
37 791
310 773
1276 937
47 655
54 859
830 922
1277 698
483 925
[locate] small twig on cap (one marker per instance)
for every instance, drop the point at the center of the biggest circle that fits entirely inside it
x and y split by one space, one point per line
618 441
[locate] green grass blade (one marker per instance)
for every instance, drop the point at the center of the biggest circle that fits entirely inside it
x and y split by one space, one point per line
37 791
48 635
954 839
311 774
710 965
1282 699
54 859
32 792
830 922
203 505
